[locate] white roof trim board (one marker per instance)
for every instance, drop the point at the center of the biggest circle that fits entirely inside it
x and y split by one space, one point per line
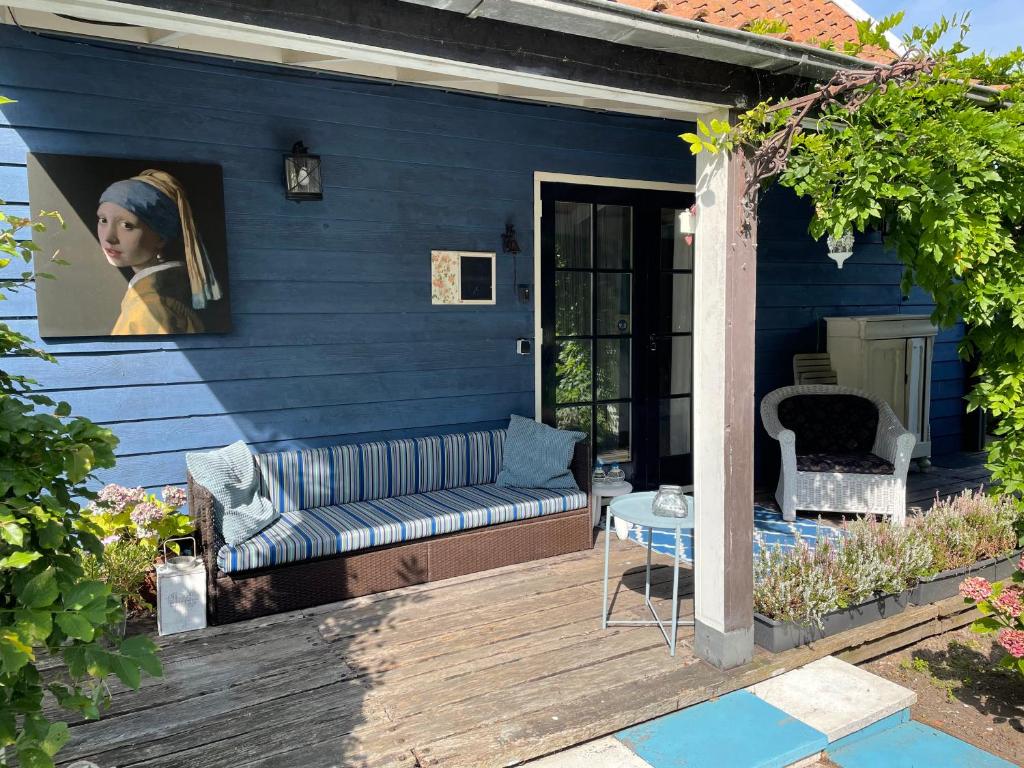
159 28
598 19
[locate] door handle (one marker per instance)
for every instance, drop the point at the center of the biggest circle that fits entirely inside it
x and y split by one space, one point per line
652 343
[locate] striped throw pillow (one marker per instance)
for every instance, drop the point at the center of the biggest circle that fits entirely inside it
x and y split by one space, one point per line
537 456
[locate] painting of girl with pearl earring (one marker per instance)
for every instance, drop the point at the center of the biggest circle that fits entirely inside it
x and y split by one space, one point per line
144 244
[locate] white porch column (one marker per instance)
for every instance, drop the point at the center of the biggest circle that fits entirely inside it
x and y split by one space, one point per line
723 413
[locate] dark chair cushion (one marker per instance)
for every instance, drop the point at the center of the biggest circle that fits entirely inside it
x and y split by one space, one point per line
834 424
851 463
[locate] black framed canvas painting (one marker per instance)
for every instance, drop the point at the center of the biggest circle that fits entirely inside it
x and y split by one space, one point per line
145 246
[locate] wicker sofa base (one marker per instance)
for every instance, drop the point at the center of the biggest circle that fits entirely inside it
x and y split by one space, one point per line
247 595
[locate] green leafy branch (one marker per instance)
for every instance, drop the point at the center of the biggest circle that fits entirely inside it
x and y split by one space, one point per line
938 163
47 605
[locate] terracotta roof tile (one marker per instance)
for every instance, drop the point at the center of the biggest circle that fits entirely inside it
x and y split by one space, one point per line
809 21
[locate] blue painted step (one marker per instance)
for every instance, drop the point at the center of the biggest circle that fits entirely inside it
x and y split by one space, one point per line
913 745
738 730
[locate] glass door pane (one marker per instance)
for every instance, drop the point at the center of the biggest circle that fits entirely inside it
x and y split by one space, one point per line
573 237
593 323
614 237
674 341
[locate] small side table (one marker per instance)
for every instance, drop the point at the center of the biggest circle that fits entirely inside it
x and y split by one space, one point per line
636 508
599 491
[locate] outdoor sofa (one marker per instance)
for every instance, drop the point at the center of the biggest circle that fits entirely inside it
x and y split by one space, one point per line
365 518
843 450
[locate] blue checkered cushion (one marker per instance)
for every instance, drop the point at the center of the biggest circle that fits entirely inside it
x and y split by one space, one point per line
329 530
295 480
538 456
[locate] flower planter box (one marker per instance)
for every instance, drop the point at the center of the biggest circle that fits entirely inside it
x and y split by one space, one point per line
947 583
1006 565
776 636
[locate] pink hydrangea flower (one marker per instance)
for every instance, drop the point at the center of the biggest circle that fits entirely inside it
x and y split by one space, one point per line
1009 602
145 513
111 539
175 497
975 588
117 497
1013 641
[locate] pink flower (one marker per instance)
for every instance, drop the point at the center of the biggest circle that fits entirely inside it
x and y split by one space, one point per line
1020 565
1009 602
975 588
117 497
145 513
111 539
1013 641
176 497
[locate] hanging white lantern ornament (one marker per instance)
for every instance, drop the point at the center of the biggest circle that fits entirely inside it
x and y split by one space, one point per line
840 248
688 223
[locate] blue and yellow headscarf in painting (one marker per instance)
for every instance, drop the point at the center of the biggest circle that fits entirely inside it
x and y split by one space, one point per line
159 200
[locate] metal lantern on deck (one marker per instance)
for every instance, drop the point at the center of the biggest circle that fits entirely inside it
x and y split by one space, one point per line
302 179
180 592
840 248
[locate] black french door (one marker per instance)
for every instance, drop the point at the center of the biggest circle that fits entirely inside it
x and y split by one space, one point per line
617 319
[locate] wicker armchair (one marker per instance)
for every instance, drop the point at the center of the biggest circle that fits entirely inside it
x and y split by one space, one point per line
843 450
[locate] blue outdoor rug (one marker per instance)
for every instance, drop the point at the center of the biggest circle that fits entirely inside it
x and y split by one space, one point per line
769 529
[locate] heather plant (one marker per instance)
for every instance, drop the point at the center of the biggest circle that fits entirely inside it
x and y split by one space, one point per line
1002 608
966 528
880 558
799 584
804 583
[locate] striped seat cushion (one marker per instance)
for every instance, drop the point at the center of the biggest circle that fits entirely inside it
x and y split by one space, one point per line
330 530
341 474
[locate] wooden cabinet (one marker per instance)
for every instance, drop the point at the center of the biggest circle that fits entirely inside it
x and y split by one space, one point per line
889 356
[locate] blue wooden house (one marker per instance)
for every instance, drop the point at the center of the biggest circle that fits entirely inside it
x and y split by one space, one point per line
442 126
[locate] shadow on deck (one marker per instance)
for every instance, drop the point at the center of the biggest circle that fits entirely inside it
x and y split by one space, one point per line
483 670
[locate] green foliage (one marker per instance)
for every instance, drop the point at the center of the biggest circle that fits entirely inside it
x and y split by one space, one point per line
132 524
938 162
767 26
873 33
48 606
573 374
869 33
123 566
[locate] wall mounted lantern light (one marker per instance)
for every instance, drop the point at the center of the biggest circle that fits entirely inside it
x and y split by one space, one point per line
302 179
840 248
509 243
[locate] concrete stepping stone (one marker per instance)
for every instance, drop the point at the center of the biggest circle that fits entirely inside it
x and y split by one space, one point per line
608 752
834 697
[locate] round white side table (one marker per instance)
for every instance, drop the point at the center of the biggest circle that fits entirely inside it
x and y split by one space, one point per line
599 491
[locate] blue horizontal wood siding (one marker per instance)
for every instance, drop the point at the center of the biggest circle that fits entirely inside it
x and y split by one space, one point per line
798 285
335 339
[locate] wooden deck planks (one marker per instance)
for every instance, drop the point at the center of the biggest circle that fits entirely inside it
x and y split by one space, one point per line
486 669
